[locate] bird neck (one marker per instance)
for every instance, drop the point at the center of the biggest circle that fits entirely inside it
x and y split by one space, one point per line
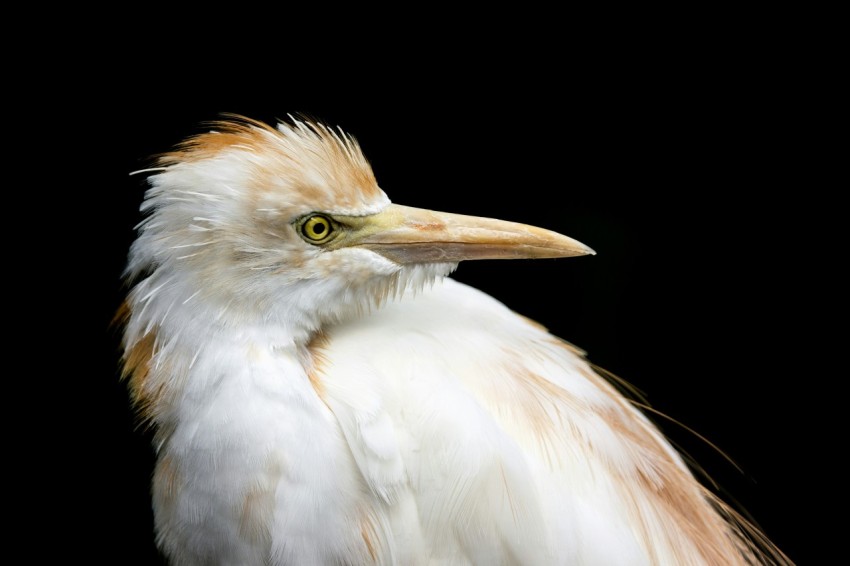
179 330
177 307
180 344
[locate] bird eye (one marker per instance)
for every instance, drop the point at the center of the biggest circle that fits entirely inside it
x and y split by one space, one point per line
316 229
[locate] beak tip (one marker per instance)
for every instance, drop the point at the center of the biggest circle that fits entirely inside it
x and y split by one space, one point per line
579 249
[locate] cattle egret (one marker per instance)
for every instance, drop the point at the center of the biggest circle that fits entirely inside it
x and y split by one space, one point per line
322 393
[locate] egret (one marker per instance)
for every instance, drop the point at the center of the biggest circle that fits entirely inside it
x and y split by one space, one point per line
322 393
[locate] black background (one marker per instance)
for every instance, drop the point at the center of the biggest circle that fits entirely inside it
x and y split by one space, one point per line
680 169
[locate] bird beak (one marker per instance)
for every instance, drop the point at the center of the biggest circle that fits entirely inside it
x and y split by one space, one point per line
414 235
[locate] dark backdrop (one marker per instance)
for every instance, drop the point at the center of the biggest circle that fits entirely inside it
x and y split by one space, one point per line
674 173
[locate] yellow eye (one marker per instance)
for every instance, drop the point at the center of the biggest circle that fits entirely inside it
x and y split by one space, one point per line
317 228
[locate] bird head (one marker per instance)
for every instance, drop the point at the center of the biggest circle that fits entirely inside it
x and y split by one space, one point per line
289 223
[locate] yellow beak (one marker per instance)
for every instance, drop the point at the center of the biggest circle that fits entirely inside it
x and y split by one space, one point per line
414 235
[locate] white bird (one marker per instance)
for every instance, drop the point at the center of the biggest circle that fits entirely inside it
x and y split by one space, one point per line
323 394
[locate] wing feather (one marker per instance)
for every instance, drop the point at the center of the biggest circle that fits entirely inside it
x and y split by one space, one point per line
504 446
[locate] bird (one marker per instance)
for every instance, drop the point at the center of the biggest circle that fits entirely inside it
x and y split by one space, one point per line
321 391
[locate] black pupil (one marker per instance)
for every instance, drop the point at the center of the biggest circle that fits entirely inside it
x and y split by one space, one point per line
319 228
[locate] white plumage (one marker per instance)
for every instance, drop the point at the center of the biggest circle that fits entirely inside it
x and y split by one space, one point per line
322 394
